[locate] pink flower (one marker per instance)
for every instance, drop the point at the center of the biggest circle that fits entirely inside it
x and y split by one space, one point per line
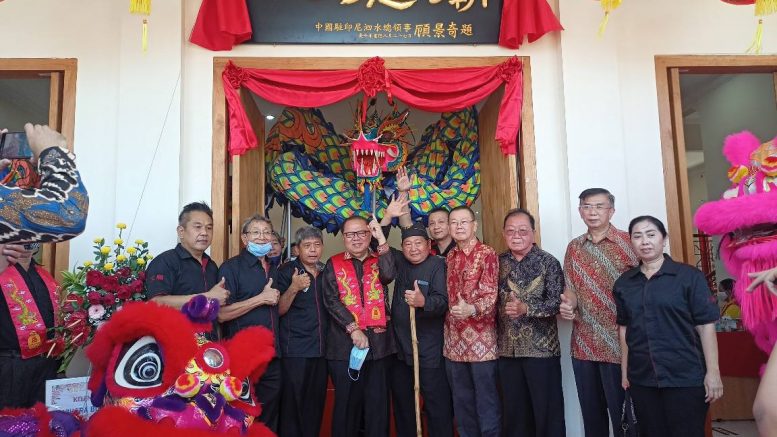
96 312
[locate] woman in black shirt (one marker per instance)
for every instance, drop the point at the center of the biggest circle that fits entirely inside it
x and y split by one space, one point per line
666 317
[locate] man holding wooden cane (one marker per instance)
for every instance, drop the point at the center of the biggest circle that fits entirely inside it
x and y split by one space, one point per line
420 287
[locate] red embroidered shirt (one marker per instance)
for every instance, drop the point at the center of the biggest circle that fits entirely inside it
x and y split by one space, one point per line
474 278
590 270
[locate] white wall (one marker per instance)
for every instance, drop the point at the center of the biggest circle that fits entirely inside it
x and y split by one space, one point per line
595 106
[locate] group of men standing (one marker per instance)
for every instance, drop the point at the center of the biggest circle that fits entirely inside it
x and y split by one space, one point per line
488 346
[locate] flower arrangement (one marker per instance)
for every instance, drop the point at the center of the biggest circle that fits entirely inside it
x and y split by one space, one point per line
95 290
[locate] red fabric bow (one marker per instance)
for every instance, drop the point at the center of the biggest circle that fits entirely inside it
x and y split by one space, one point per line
440 90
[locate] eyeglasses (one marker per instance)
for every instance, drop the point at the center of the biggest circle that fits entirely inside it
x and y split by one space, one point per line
599 207
353 235
461 223
520 232
259 233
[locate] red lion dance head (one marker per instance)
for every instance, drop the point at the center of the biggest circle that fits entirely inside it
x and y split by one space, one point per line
746 217
155 374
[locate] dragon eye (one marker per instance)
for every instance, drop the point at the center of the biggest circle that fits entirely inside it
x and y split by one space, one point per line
140 365
245 392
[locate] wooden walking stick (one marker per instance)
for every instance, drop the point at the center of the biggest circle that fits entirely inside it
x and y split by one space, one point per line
416 375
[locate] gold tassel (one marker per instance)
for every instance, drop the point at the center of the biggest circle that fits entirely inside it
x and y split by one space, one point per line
755 47
765 7
609 6
142 7
144 38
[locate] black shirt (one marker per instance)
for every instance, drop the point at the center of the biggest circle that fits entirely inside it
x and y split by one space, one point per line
176 272
444 252
430 319
40 294
304 325
245 278
660 315
339 343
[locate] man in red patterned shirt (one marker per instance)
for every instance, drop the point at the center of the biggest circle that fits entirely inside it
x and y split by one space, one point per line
470 345
592 263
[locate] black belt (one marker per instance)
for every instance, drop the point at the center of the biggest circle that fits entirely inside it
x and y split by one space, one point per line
9 353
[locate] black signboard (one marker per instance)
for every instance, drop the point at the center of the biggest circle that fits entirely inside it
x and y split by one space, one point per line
375 21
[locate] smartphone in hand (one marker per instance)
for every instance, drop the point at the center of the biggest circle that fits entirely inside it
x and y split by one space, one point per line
14 145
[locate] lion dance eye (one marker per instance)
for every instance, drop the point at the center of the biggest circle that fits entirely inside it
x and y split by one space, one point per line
140 366
245 391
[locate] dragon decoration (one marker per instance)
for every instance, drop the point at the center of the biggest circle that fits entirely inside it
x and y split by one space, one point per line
328 177
746 218
155 374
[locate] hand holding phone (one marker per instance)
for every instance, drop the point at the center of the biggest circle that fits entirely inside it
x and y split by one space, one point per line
14 145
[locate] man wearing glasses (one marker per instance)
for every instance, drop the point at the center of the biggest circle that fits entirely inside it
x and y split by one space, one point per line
530 285
355 295
592 263
253 302
470 337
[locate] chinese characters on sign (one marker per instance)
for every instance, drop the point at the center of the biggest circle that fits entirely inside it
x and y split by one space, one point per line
399 30
375 21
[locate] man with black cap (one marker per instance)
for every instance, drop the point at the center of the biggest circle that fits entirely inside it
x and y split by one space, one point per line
420 283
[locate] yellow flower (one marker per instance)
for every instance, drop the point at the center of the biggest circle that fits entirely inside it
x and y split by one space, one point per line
121 226
99 240
139 242
149 257
118 241
105 250
121 258
131 250
88 263
141 261
108 266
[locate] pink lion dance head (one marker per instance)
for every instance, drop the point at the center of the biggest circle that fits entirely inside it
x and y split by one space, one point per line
746 217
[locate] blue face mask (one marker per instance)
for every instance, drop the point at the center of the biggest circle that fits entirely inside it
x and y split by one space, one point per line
356 361
259 249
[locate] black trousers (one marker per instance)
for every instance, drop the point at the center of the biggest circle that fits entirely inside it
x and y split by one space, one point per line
303 396
533 401
475 393
362 401
670 412
599 391
437 403
268 392
23 382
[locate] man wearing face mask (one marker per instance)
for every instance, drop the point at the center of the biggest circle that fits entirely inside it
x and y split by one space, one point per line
178 274
359 343
253 302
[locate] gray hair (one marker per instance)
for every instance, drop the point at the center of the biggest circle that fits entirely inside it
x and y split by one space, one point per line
254 218
308 232
594 192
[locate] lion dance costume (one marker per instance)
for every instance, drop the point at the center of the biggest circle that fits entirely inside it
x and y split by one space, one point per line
155 374
746 217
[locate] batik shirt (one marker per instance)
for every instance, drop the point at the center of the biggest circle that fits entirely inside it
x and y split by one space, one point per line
538 281
472 277
54 212
590 270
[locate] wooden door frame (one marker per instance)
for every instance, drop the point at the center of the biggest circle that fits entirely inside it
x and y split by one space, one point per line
523 171
668 68
62 110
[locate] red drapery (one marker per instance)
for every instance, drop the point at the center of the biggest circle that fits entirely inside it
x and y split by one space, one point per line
222 24
440 90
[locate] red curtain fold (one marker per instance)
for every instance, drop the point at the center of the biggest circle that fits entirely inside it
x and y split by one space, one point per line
525 18
439 90
222 24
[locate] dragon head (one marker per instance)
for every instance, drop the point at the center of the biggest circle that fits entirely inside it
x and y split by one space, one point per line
746 217
155 373
379 144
